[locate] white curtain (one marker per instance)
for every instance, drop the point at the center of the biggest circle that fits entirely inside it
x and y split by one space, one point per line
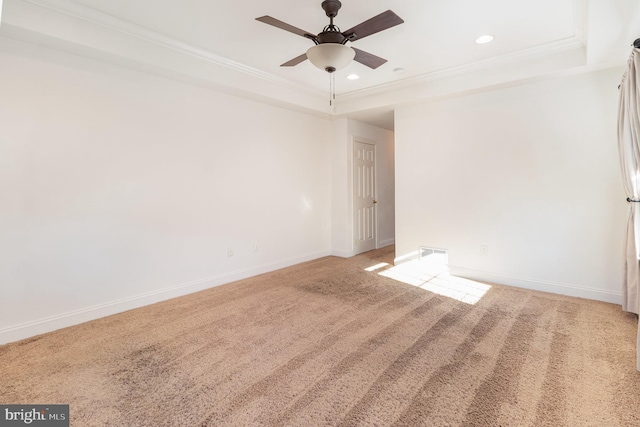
629 148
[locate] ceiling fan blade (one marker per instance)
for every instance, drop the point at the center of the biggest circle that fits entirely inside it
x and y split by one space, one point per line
284 26
295 61
374 25
368 59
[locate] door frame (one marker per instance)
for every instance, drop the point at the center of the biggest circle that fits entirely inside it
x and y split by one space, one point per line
352 148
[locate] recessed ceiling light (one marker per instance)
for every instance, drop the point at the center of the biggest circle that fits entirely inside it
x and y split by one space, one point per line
487 38
398 70
353 77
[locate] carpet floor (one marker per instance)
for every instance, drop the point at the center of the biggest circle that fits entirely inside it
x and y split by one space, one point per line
327 343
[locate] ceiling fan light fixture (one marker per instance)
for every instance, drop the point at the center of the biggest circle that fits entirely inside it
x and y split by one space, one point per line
330 56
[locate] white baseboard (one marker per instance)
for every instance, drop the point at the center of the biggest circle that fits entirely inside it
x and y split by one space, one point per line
539 285
349 253
63 320
342 254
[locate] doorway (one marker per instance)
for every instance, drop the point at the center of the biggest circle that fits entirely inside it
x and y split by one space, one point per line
364 197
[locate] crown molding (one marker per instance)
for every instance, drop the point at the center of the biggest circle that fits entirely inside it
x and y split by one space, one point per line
580 20
500 62
481 79
93 16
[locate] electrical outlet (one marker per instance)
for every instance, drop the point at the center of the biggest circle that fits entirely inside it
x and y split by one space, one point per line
256 247
229 251
484 250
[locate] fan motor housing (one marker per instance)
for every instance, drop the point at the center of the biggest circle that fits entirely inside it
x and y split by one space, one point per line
331 37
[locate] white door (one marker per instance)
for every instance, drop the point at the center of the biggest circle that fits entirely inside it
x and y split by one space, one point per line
364 193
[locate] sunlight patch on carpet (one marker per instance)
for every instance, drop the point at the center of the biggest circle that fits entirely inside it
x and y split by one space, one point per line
434 277
377 267
464 290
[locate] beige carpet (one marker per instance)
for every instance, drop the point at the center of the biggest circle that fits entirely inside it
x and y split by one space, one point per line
328 343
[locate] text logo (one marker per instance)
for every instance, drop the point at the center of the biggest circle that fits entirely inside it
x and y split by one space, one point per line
34 415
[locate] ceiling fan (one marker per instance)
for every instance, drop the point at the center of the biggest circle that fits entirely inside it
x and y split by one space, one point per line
329 52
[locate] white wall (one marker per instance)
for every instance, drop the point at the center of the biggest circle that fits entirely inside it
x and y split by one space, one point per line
120 188
530 171
345 132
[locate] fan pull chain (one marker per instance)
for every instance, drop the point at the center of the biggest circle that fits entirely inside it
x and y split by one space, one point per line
332 89
333 77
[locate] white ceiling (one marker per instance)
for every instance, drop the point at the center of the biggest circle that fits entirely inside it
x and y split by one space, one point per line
436 35
220 44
